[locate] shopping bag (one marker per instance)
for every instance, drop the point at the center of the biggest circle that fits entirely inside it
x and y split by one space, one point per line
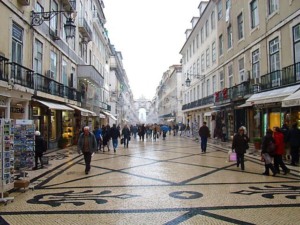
231 156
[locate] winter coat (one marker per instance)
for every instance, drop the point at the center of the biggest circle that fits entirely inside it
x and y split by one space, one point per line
239 143
279 143
92 143
39 146
265 143
294 137
114 133
204 131
126 132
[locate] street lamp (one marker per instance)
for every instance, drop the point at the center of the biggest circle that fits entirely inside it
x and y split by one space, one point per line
189 80
37 18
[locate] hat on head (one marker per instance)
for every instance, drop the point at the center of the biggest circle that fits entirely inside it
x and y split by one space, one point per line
37 133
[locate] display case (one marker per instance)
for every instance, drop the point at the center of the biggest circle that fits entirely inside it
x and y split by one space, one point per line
67 127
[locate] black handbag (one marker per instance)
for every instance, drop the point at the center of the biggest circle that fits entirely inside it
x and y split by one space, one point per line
122 141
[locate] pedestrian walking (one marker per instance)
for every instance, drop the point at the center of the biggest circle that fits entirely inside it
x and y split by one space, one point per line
40 148
105 137
267 152
87 145
239 145
115 134
98 135
279 151
294 140
126 135
224 133
204 135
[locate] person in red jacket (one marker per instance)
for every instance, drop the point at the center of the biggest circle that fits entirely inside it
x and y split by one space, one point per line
279 151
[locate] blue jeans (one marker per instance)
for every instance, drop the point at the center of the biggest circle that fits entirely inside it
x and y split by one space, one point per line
203 144
115 143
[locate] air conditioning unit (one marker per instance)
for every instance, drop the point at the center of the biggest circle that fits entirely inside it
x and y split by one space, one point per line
50 74
24 2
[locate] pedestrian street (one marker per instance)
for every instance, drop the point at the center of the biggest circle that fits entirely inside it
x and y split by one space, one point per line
162 182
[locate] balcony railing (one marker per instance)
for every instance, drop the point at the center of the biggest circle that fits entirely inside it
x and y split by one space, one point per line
271 80
21 75
50 86
85 29
291 74
200 102
3 68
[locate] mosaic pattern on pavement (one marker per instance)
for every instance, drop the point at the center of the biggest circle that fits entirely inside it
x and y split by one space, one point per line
162 182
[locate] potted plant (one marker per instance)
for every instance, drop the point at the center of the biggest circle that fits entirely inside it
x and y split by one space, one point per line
257 143
62 142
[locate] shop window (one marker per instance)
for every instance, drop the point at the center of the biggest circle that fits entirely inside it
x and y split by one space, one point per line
53 127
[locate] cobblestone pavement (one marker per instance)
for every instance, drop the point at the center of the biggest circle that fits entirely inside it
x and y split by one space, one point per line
162 182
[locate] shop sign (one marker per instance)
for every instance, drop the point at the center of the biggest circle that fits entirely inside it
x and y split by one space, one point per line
292 102
268 105
17 110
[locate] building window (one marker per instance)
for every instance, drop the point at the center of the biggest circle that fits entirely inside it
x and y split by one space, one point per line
190 50
255 64
194 46
198 66
53 64
54 19
39 7
230 76
214 84
274 55
207 28
272 6
229 36
212 20
38 57
202 35
240 24
64 73
222 81
207 58
197 41
296 31
208 87
228 4
203 89
220 9
194 94
213 52
17 44
194 69
198 91
254 14
221 45
202 63
241 70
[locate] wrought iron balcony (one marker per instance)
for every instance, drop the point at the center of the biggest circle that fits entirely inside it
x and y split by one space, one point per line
97 20
200 102
50 86
291 74
85 29
21 75
271 80
239 91
3 68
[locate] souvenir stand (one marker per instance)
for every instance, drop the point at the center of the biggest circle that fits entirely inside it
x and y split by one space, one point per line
6 158
23 132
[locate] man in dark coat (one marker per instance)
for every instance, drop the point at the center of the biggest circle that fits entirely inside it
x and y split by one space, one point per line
115 134
294 140
204 134
87 144
239 145
39 149
126 135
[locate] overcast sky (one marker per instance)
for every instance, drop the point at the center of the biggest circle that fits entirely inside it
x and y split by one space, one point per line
150 34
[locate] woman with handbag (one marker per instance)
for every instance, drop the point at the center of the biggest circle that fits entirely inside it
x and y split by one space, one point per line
239 145
267 151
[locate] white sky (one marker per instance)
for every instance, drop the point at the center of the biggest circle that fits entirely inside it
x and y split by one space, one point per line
150 35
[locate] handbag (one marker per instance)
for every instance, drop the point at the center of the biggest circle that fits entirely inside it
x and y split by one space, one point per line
232 156
122 141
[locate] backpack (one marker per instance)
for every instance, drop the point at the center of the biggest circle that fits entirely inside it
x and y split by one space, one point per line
271 148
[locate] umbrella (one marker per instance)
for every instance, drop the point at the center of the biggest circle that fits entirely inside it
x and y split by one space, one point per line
164 128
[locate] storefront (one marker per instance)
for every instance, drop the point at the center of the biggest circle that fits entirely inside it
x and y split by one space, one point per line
268 111
55 122
292 109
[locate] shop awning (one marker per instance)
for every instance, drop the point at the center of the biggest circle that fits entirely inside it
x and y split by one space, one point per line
110 115
102 116
55 106
292 100
272 96
83 112
247 104
207 113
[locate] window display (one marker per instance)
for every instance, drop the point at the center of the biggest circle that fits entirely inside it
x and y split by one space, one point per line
67 127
